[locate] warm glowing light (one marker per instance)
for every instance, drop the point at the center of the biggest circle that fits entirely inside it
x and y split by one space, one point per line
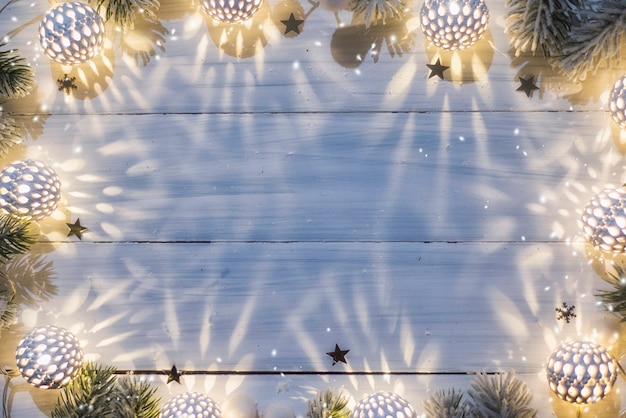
454 24
49 357
191 404
617 102
383 405
71 33
231 11
581 372
603 221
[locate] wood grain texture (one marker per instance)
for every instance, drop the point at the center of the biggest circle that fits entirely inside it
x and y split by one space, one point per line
184 63
399 307
328 177
254 199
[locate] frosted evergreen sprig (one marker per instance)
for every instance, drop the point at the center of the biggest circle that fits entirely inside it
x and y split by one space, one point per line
597 37
540 25
125 12
328 404
88 395
15 236
96 392
378 10
16 75
615 300
135 398
10 133
447 404
500 396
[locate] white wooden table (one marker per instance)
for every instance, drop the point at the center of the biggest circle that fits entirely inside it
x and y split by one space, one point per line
247 214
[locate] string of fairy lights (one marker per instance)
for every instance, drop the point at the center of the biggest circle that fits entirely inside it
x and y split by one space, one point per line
72 33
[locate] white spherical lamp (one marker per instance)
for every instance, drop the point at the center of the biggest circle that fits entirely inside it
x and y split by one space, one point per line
231 11
49 357
29 189
581 372
617 102
454 24
603 221
190 405
71 33
383 405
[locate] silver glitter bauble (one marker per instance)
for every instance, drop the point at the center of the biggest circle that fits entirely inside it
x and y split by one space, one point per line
603 221
581 372
71 33
29 189
231 11
383 405
190 405
49 357
617 102
454 24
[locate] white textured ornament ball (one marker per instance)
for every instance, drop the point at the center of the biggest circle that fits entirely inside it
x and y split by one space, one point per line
190 405
383 405
29 189
454 24
603 221
617 102
49 357
231 11
71 33
581 372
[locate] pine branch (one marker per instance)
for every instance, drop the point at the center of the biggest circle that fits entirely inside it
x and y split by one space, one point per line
378 10
328 405
135 399
15 236
124 12
16 75
615 300
10 134
543 25
597 37
88 395
500 396
447 404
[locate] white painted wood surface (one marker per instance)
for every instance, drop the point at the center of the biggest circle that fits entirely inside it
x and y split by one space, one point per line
246 214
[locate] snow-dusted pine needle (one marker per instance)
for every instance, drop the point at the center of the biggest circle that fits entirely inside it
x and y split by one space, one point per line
328 404
378 10
540 25
124 12
500 396
447 404
597 38
16 76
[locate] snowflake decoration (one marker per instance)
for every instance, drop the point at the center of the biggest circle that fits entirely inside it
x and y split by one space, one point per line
66 84
565 312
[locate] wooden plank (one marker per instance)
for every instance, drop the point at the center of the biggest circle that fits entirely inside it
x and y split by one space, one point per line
260 306
293 393
325 68
387 177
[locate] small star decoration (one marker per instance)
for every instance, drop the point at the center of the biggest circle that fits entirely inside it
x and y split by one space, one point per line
292 24
66 84
76 229
528 85
338 355
173 375
437 69
565 312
